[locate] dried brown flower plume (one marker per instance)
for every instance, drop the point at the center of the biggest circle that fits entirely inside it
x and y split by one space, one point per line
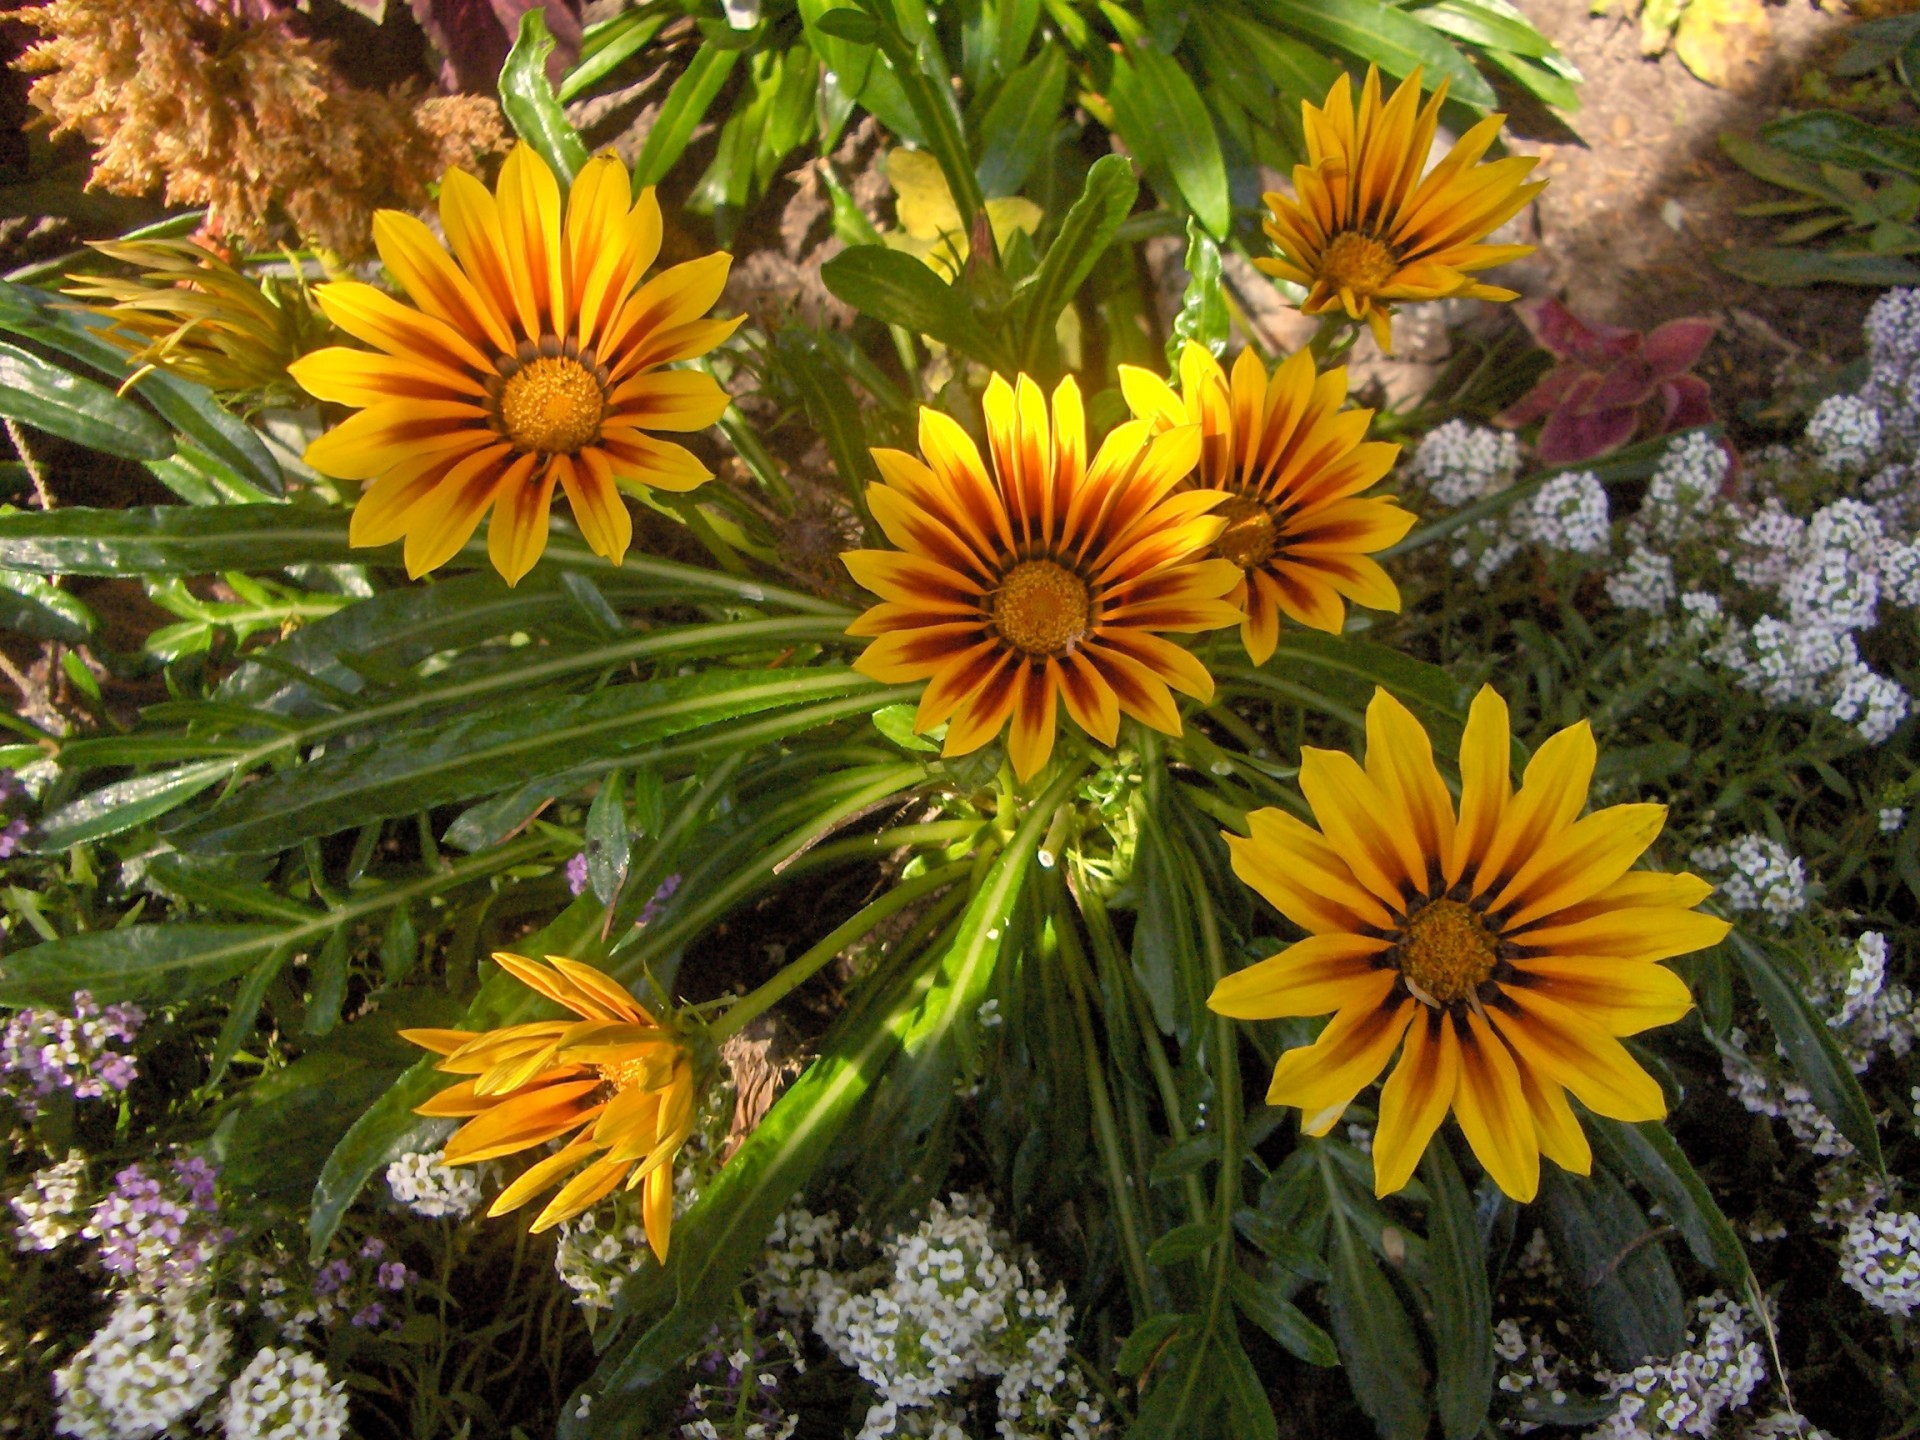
221 104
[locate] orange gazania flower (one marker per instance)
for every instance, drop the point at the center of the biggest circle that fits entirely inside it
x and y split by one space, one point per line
1364 229
615 1080
530 356
1293 465
1500 950
1042 578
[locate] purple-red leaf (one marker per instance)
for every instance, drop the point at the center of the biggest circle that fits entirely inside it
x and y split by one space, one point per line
474 36
1564 334
1675 347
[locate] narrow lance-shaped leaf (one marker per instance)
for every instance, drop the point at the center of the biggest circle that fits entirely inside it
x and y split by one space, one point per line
529 102
1462 1307
61 403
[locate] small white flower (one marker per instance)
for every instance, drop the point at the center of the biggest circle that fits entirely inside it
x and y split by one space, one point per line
285 1395
432 1189
153 1363
1844 434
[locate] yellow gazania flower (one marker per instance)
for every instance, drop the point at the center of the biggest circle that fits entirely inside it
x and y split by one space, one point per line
1042 577
929 219
1293 464
1507 946
615 1080
1364 229
531 355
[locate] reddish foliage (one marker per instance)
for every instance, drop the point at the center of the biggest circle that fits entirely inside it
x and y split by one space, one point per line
1611 383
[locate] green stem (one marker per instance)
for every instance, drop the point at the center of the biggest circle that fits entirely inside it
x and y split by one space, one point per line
754 454
1106 1132
1335 337
1226 1066
796 973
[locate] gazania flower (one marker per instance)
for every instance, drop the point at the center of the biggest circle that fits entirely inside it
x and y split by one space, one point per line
1042 578
1500 950
1365 230
530 356
615 1081
1293 465
190 313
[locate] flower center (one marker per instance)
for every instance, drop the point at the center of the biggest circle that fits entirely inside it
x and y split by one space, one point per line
1249 539
552 403
1358 262
1041 607
1446 952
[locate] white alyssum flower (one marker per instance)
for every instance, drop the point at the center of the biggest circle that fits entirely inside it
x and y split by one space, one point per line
285 1395
1644 581
948 1304
1763 1090
1891 818
1459 463
1569 514
1870 1013
1683 494
433 1190
601 1249
152 1364
1704 613
1766 542
1844 434
1689 1393
1761 874
1875 705
1536 1375
1898 566
1880 1260
53 1206
1893 378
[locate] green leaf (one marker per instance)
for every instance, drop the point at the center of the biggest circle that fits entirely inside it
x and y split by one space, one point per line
1186 1157
1018 126
1771 265
686 106
856 27
1085 234
30 605
1614 1264
529 102
490 750
1482 24
1831 137
894 287
1386 36
328 980
155 963
1149 1337
1462 1308
1165 122
1811 1049
607 46
1376 1340
896 723
1249 1411
609 849
1648 1153
1182 1243
1203 317
61 403
125 804
1266 1305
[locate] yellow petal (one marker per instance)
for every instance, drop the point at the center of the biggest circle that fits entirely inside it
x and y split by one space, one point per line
1309 977
1493 1114
1415 1099
1565 1047
1322 1078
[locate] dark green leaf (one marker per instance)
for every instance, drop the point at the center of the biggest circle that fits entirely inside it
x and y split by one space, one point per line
1273 1238
1462 1308
1161 115
1148 1339
1614 1264
61 403
1771 265
1181 1244
1833 138
31 606
1649 1154
894 287
1387 37
529 102
490 750
125 804
1265 1305
1019 124
1249 1411
1186 1157
1084 236
143 962
856 27
1376 1340
686 106
327 983
1810 1048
